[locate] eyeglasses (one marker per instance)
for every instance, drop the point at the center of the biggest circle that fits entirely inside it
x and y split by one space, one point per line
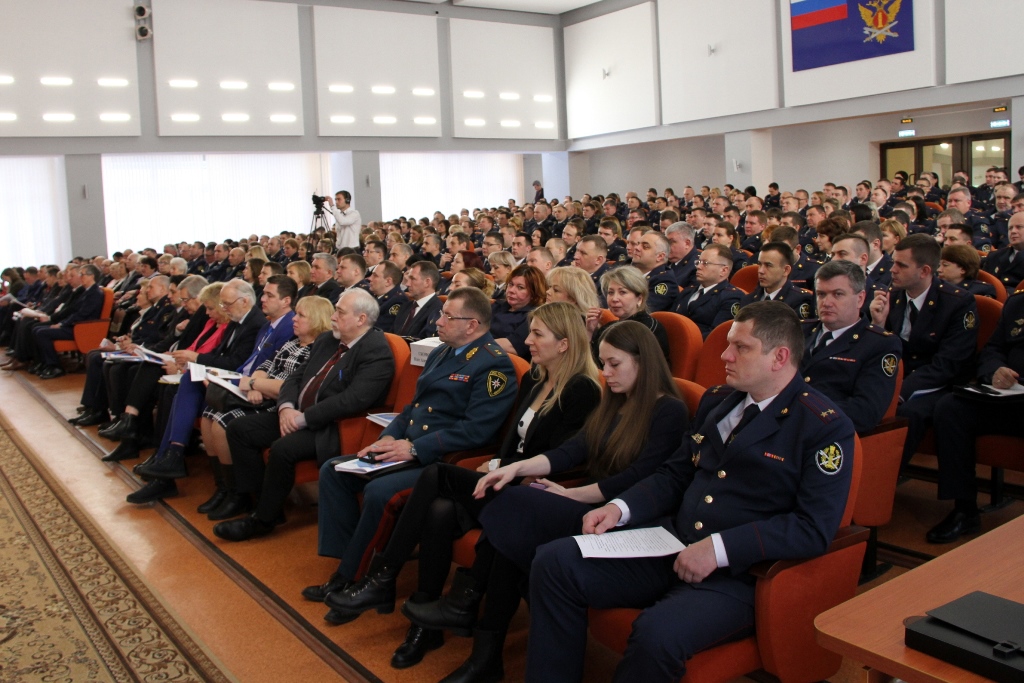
452 317
186 299
701 262
228 304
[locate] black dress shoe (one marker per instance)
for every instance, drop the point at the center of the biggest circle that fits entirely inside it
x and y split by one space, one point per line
456 611
125 425
36 368
107 425
318 593
52 372
126 450
167 465
213 503
91 418
338 618
234 504
418 642
154 490
956 524
242 529
376 591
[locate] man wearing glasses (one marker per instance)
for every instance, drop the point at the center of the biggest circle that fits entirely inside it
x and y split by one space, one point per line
466 390
710 302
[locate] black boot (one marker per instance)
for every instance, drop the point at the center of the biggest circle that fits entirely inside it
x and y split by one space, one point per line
90 418
167 465
126 425
235 503
243 529
154 490
376 591
418 642
485 663
221 491
128 449
320 592
455 611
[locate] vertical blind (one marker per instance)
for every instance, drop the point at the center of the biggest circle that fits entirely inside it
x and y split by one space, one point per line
154 199
34 225
414 184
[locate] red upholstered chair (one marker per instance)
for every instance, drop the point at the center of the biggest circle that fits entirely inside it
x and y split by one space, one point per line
789 595
745 278
684 342
999 453
606 317
692 393
985 276
90 333
710 367
989 311
1020 287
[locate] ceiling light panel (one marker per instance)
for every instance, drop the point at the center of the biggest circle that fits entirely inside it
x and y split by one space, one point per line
392 95
538 6
503 93
84 65
245 82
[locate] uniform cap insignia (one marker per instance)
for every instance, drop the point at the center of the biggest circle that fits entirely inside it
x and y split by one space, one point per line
830 459
496 383
889 364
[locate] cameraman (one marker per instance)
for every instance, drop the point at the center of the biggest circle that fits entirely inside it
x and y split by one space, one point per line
347 220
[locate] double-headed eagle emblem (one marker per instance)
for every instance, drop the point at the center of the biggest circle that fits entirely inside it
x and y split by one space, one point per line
880 19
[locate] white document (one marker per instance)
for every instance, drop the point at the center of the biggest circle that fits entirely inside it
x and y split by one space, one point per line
989 390
152 357
357 465
229 386
171 379
654 542
223 374
197 372
382 419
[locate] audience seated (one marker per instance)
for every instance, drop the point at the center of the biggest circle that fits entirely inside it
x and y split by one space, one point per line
774 265
711 300
510 325
625 289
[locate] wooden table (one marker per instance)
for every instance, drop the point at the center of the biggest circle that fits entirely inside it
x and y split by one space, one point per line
869 628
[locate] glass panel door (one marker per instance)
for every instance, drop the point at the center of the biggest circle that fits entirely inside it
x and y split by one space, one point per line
899 159
938 158
985 153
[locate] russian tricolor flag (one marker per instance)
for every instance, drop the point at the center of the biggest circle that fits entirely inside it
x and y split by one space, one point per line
807 13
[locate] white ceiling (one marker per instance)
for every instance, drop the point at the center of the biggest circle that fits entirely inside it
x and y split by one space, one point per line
539 6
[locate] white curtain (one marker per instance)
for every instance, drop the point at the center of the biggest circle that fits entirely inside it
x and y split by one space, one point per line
34 225
154 199
417 185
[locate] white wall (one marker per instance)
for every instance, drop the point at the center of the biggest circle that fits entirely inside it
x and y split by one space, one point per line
999 22
610 72
674 163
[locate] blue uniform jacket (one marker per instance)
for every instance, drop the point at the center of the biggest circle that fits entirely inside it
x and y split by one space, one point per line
857 370
460 401
661 289
712 308
1010 273
685 269
88 305
777 491
390 305
799 299
1005 348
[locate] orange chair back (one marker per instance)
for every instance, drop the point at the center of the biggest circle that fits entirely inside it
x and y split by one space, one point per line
745 278
991 279
710 368
692 393
684 343
606 317
108 303
400 350
858 470
1020 287
989 311
890 412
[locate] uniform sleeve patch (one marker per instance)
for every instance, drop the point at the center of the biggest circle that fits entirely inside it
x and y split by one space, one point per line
394 309
496 383
661 289
889 364
805 310
735 309
970 320
830 459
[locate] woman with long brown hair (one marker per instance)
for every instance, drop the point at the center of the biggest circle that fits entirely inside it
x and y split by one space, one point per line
525 291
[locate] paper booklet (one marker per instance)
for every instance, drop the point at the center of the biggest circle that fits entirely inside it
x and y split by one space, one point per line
653 542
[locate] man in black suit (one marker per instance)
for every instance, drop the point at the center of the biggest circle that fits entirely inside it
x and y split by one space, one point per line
417 319
87 306
339 380
321 271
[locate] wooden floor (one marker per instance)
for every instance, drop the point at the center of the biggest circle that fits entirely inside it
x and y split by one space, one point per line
241 600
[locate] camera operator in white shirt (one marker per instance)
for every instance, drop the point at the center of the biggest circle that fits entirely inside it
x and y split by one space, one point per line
347 220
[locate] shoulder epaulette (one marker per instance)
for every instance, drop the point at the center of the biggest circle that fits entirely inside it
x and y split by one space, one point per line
804 291
720 389
817 405
494 349
878 330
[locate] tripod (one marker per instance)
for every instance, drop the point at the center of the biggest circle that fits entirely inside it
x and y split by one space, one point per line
319 221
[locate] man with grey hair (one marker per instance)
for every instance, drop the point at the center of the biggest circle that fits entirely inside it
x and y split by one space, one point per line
349 371
959 198
179 266
846 358
321 272
682 262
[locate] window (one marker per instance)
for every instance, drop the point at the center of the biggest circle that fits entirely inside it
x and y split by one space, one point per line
34 223
420 184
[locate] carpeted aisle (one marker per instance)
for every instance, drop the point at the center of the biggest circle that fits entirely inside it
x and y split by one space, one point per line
70 608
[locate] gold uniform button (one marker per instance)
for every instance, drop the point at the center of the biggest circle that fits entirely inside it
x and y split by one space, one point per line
807 379
721 474
430 409
708 499
410 421
698 526
417 405
424 427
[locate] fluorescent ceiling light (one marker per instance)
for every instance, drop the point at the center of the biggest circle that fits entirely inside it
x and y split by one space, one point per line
7 80
545 124
234 118
55 80
543 98
115 117
341 88
997 149
424 120
8 116
58 117
233 85
383 90
423 92
343 119
475 122
185 118
472 94
509 96
510 123
281 86
182 83
112 82
282 118
979 148
384 119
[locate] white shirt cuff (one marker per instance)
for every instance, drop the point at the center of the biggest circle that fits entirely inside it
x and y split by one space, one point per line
621 504
720 556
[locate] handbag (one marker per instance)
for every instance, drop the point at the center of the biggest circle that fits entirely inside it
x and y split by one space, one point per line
223 401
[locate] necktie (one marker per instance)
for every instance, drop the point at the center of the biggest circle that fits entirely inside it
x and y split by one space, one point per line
822 342
408 321
308 396
913 313
749 413
766 297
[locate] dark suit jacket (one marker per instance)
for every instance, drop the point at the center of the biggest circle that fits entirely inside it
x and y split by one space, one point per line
360 382
196 323
329 290
579 398
86 305
424 324
237 343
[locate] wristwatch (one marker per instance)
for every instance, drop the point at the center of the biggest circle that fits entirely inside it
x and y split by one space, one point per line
412 448
251 380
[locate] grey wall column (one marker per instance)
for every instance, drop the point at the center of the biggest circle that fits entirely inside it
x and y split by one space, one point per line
579 174
533 169
555 170
84 174
1016 137
366 195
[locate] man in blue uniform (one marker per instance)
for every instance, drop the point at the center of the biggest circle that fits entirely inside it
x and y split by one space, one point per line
591 254
804 269
959 198
846 358
650 257
938 324
1007 263
711 301
764 476
466 390
385 284
682 258
879 266
774 265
